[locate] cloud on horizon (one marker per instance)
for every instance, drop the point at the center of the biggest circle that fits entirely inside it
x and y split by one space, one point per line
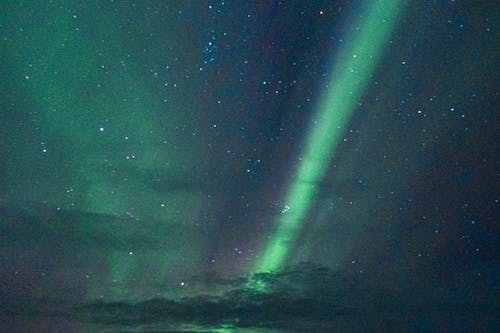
301 298
305 297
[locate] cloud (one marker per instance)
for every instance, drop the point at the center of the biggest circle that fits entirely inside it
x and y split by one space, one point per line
301 298
305 297
304 293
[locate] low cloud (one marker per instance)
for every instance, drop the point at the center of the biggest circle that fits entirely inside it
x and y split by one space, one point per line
305 297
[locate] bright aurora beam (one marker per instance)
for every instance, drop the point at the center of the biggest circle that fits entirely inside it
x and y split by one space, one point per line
351 73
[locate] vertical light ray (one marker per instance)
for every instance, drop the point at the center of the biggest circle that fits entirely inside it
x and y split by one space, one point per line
350 75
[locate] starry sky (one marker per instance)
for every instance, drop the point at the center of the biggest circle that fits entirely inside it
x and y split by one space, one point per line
249 166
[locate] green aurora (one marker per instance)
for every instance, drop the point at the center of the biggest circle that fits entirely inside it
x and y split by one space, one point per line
240 166
79 66
88 96
351 73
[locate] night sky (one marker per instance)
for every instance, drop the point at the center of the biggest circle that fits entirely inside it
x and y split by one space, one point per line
249 166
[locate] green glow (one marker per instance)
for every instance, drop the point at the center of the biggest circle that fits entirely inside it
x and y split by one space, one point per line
77 66
351 74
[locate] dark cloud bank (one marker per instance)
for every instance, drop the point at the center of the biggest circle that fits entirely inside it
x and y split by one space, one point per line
302 298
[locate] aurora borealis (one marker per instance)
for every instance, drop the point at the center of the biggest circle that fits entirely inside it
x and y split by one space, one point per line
162 159
354 69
